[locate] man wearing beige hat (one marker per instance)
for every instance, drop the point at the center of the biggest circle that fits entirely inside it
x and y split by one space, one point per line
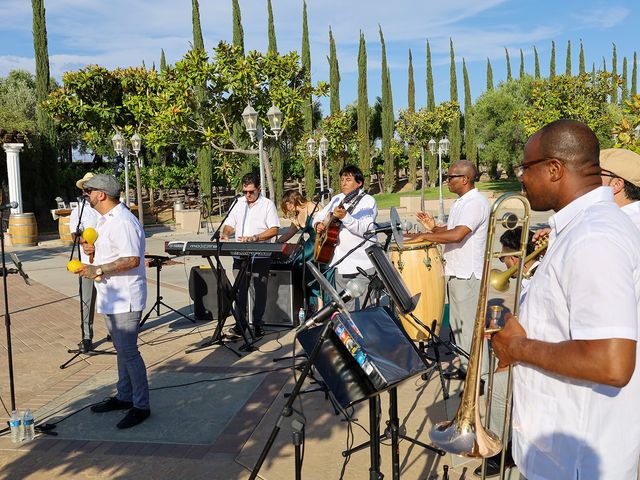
82 217
621 171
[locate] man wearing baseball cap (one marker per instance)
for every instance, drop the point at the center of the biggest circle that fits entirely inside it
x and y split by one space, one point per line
621 171
121 285
81 218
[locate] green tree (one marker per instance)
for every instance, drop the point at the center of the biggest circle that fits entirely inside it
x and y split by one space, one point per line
634 76
277 160
45 142
238 31
614 76
411 106
273 44
489 75
567 70
521 65
581 67
552 62
431 102
334 76
537 63
307 107
454 131
624 95
387 122
363 113
18 102
163 61
498 128
506 52
469 124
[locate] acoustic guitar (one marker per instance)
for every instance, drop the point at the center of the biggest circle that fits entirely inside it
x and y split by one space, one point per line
327 240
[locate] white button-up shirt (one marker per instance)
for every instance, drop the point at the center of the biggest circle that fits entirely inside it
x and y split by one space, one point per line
248 221
89 219
633 210
467 257
354 226
587 287
120 235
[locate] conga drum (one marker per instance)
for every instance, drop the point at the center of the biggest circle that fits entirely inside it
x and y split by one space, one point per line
422 268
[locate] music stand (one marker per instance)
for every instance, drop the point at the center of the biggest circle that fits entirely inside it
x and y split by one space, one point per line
158 261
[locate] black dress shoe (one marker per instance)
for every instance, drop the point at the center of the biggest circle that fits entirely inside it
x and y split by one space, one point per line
110 404
234 332
85 346
455 375
133 418
258 331
493 464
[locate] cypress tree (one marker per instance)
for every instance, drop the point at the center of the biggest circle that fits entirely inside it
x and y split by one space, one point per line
163 61
552 62
634 76
203 154
454 129
411 106
604 64
238 32
277 161
625 83
469 126
364 147
567 70
387 122
273 44
581 68
489 75
506 52
431 102
614 75
537 63
334 76
593 73
307 108
521 65
45 184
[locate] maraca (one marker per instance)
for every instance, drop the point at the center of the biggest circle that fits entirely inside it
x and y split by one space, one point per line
74 266
90 236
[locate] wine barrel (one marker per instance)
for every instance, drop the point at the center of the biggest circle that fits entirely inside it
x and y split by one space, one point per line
64 230
23 230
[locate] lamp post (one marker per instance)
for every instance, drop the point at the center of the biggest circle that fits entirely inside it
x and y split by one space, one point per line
254 129
121 148
323 147
443 147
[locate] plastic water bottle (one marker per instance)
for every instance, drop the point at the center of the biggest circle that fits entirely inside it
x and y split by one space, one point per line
29 427
301 316
14 423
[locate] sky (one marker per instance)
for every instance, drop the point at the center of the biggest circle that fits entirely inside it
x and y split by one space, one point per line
118 33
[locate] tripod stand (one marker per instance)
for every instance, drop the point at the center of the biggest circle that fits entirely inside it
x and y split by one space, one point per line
158 261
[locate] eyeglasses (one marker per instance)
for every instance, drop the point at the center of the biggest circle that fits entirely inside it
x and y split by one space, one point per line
604 173
249 192
87 191
519 169
448 177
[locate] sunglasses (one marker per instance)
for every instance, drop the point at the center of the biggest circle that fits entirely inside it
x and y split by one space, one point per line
87 191
447 177
249 192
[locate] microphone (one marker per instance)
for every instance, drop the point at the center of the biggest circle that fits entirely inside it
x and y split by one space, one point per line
16 261
387 227
354 288
326 191
9 205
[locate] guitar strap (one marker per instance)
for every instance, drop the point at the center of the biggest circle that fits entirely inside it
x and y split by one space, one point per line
355 201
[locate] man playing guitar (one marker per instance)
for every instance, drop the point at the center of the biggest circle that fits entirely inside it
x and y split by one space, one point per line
352 218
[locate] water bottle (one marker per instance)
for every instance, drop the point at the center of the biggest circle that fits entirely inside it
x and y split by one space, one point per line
14 423
301 316
29 427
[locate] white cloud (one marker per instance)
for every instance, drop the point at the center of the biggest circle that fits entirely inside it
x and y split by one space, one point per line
603 17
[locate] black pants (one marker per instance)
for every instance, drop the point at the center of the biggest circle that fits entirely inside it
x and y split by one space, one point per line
259 270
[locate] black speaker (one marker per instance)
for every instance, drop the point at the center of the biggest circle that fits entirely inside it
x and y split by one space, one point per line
203 292
284 300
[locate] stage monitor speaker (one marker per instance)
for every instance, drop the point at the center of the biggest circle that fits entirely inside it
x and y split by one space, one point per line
283 300
357 363
203 292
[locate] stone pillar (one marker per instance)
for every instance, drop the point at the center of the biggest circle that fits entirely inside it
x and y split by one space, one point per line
13 174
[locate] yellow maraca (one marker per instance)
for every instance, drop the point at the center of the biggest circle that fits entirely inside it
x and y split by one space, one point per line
90 236
74 266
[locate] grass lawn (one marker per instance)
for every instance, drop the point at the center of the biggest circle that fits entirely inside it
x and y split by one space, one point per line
388 200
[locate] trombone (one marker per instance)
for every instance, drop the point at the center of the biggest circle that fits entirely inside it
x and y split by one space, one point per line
499 280
465 435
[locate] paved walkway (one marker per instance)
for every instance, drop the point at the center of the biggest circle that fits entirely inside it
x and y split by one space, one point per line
212 410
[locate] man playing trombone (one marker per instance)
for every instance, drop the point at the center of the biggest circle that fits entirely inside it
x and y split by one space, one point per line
574 348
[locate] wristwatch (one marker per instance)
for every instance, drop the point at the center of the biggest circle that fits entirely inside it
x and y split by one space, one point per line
99 272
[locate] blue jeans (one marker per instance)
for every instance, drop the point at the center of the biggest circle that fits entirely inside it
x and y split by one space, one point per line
132 374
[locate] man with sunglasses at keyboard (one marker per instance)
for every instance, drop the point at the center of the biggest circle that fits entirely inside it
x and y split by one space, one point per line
254 218
464 238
